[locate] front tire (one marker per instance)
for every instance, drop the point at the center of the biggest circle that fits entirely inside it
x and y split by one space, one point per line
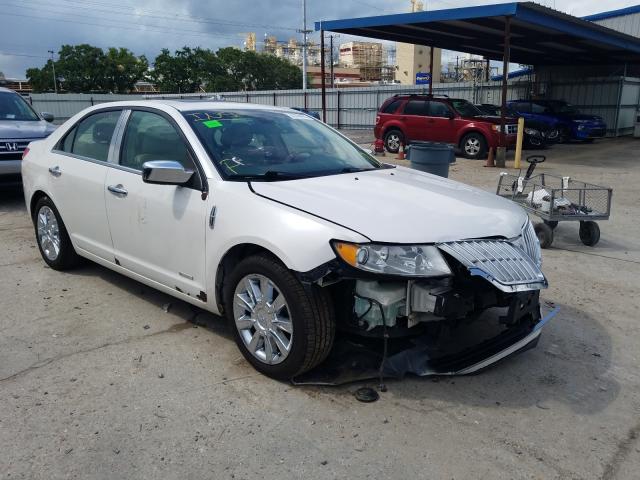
473 146
282 327
52 237
392 140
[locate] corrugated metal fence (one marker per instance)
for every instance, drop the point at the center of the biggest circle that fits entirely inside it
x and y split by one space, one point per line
616 99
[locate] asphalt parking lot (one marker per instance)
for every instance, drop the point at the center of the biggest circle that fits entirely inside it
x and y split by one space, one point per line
102 377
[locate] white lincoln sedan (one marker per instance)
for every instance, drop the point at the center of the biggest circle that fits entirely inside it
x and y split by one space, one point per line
293 232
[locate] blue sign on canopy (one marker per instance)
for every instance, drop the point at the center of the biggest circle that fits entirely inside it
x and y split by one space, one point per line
423 78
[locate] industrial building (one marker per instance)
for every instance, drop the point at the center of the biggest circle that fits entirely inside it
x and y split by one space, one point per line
369 58
413 60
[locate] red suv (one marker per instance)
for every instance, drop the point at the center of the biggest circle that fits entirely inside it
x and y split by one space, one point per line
405 118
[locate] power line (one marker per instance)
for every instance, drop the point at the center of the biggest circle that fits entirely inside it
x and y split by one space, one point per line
151 28
11 54
152 14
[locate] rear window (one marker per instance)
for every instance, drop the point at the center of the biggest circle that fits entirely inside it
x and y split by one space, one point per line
391 107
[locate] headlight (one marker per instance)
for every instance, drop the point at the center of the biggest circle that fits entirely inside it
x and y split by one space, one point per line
405 260
532 131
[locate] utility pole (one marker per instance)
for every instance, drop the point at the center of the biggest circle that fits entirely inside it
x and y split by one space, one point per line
333 79
304 32
53 65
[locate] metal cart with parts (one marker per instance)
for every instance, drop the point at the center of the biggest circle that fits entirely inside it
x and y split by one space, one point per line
557 199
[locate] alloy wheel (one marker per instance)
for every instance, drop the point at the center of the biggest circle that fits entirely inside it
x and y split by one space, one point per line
263 319
472 146
48 233
393 141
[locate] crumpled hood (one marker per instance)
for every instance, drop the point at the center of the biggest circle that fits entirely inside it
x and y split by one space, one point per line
400 205
25 129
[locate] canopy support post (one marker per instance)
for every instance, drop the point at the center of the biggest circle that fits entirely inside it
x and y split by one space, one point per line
431 70
322 76
502 149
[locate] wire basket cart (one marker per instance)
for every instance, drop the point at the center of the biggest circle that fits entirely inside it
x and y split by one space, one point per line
557 199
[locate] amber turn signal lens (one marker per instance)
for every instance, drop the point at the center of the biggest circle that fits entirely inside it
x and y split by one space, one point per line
348 252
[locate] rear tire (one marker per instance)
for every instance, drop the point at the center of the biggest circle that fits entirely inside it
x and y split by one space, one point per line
393 139
52 237
544 233
474 146
589 233
307 314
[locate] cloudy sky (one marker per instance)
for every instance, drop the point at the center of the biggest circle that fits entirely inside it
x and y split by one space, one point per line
29 28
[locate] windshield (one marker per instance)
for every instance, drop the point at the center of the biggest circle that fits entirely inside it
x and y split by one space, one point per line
275 145
466 108
13 107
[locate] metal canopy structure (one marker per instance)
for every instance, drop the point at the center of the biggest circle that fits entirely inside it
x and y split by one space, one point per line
524 33
539 35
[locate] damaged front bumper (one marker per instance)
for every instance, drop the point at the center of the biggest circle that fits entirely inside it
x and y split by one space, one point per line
355 360
486 310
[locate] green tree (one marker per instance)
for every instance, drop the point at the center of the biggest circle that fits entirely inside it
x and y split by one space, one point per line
41 79
254 71
82 68
185 71
123 69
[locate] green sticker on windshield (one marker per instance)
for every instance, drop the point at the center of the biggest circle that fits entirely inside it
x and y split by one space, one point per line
212 124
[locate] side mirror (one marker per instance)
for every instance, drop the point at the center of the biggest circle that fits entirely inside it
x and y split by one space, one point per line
48 117
165 172
451 115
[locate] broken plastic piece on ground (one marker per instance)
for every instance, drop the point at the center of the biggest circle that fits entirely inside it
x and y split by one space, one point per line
366 394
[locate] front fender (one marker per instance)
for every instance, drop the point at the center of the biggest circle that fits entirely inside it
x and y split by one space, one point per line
299 239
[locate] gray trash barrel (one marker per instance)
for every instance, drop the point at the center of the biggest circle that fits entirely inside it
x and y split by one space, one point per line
431 157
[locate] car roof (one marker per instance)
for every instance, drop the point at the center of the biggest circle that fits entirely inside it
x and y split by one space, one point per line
7 90
425 96
196 104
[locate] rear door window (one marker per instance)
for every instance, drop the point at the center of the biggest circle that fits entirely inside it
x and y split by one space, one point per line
438 109
416 107
93 135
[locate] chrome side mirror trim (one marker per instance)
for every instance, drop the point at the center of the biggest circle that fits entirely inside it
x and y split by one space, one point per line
165 172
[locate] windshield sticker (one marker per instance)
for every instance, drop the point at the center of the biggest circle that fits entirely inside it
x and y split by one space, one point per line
212 124
231 163
206 116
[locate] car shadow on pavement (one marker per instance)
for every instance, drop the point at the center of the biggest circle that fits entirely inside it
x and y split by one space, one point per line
162 301
571 365
11 199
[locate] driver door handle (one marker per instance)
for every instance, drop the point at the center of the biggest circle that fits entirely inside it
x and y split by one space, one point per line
117 190
55 171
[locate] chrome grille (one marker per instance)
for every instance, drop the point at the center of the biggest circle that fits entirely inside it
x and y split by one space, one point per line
512 129
497 260
13 148
531 243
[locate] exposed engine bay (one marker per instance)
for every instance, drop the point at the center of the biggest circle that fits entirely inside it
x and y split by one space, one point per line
455 324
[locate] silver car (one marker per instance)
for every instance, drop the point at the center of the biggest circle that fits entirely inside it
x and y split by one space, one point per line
19 125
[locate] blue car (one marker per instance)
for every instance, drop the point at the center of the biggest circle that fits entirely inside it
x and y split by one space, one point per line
571 124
